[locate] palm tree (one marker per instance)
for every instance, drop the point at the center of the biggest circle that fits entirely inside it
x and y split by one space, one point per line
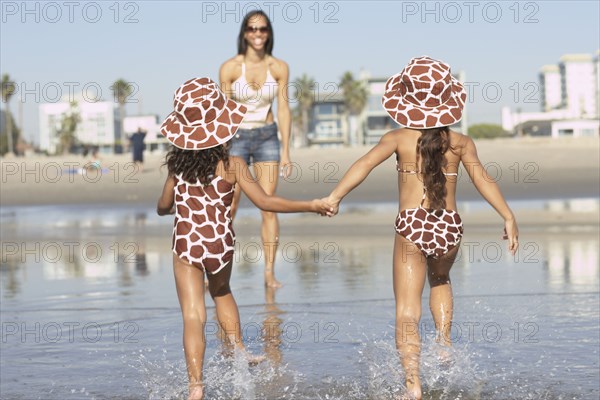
68 128
355 98
305 98
121 91
8 90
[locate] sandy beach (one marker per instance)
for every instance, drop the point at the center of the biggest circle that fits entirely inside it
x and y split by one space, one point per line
526 169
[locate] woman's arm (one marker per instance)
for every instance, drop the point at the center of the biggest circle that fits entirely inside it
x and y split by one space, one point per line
362 168
226 78
284 119
257 195
167 198
490 191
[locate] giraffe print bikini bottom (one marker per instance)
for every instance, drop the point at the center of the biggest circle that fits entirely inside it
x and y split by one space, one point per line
434 232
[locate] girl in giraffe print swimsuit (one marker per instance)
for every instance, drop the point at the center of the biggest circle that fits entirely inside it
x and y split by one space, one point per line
426 99
199 191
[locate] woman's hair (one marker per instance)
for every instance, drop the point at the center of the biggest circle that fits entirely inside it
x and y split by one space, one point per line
431 147
242 45
196 165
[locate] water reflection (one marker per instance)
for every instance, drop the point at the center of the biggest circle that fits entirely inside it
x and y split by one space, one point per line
271 328
574 262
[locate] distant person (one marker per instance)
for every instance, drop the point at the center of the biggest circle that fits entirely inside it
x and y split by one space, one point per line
137 145
426 99
199 191
256 79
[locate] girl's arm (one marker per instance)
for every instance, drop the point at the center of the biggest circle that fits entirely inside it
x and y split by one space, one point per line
284 119
361 169
257 195
167 198
490 191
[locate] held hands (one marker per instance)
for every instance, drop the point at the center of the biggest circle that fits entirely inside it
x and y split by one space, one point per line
322 207
511 233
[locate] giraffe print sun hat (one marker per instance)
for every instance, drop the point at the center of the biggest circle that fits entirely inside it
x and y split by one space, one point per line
424 95
203 117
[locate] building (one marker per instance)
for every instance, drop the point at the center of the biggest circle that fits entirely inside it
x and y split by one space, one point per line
577 112
327 121
99 124
578 85
550 87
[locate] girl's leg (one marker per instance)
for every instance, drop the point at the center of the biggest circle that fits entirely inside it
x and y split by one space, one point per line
267 175
190 291
440 297
409 280
227 309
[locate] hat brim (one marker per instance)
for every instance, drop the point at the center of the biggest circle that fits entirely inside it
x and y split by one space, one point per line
205 136
410 115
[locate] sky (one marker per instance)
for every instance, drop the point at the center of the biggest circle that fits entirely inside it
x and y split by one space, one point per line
63 47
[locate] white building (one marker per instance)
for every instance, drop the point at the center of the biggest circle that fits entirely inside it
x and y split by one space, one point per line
578 107
578 84
99 124
576 128
550 85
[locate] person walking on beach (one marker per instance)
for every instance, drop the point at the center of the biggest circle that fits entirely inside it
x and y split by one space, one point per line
255 78
137 145
426 99
199 191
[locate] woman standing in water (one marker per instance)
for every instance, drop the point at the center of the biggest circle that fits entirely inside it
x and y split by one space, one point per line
426 99
256 79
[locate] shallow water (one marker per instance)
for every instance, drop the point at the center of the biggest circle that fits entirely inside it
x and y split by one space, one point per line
89 310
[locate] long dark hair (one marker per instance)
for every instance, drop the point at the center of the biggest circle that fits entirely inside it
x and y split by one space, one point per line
243 46
196 165
431 147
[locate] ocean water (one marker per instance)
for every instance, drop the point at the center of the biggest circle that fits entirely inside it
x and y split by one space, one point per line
88 310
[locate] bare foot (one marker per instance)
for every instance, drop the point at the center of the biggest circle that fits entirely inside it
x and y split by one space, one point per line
254 359
196 391
271 282
413 388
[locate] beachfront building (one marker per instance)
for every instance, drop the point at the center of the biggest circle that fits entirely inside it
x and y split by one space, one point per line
328 126
154 140
577 112
578 84
550 87
99 124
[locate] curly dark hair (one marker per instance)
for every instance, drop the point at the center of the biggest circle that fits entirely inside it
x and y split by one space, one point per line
431 147
196 165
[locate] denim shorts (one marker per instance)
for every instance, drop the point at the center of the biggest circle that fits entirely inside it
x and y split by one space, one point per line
256 145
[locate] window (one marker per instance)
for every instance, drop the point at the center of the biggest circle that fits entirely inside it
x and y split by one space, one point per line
380 122
565 132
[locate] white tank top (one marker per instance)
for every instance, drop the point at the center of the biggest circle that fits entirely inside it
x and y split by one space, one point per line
257 100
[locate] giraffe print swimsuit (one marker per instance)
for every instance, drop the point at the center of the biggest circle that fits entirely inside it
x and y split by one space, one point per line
434 232
203 232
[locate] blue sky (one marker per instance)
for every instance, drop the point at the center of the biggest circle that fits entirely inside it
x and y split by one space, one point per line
53 46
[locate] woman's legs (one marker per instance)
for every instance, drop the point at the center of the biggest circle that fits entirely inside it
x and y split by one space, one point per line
190 291
440 297
267 175
409 280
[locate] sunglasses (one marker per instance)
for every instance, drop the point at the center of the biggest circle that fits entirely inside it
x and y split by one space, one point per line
254 29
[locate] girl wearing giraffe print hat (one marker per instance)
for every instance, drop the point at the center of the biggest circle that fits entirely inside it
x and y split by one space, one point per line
426 99
199 191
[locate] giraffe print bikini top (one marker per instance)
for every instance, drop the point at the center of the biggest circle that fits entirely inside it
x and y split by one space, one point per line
415 172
